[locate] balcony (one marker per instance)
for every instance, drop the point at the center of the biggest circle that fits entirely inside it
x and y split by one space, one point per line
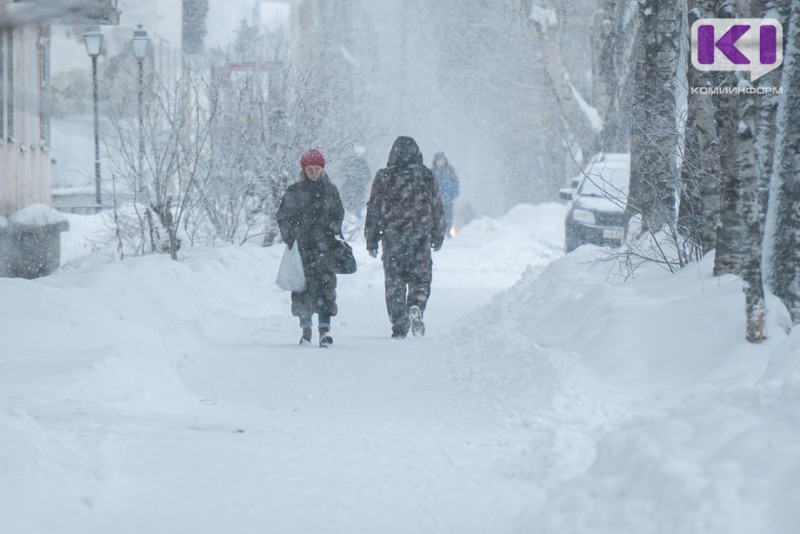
32 12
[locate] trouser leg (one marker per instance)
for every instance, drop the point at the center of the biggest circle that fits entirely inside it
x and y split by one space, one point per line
396 298
418 292
419 280
324 322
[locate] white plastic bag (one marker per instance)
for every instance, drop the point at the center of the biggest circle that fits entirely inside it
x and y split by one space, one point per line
290 275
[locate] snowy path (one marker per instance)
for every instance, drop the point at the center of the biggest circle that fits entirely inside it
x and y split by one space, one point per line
372 435
170 397
253 433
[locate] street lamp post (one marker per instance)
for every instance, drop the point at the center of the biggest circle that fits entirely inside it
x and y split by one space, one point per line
140 41
93 38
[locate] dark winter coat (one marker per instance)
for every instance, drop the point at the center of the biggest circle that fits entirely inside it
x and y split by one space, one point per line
446 179
311 214
404 211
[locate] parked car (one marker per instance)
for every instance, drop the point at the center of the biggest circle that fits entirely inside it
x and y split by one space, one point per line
597 210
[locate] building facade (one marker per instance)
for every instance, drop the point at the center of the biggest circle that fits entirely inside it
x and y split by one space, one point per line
29 236
24 118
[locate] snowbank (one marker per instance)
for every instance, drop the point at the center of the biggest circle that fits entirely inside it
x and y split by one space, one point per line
90 353
643 398
152 396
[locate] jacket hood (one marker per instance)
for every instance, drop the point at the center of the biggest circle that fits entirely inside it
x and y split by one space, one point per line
441 156
404 152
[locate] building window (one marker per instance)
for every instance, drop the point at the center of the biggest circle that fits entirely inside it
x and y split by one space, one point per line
10 85
2 89
27 75
43 46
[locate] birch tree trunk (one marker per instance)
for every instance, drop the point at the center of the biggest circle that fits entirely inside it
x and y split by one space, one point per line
785 279
654 133
541 18
730 230
766 113
728 259
701 165
614 28
752 210
766 141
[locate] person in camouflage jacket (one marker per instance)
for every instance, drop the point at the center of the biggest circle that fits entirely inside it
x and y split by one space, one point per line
405 214
311 214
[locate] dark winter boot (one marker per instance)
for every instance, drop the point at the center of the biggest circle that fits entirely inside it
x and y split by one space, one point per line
325 339
306 339
415 317
399 331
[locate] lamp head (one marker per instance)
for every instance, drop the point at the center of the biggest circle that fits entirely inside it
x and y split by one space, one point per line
93 39
140 41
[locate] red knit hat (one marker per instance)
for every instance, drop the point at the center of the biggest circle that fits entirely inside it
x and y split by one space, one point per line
312 157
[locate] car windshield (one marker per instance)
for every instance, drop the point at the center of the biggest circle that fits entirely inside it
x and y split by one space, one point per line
605 180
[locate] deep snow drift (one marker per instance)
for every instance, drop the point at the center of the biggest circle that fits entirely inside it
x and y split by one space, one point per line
157 396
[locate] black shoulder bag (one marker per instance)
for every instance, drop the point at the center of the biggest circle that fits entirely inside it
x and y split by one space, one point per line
343 260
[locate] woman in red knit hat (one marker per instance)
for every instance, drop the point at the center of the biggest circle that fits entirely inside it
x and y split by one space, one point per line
311 214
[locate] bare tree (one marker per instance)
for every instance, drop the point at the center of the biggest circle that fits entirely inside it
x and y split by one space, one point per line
654 139
700 172
785 278
767 110
177 119
541 17
615 26
728 258
236 201
751 214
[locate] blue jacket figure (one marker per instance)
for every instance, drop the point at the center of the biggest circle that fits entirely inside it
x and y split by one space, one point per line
447 180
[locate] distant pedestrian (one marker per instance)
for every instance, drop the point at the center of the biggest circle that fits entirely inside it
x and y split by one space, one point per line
357 177
311 214
405 214
447 181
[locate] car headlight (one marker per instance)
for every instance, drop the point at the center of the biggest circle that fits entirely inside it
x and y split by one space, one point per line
583 216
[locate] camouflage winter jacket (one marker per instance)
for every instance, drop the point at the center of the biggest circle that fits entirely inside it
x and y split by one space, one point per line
404 209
